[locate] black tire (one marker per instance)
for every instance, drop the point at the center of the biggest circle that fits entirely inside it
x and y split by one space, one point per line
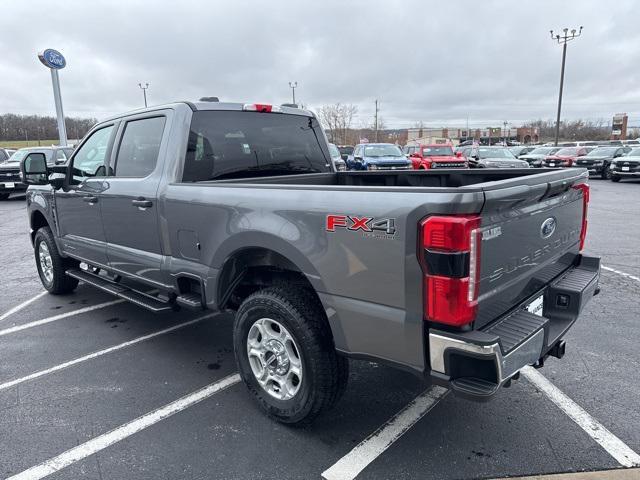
60 282
615 178
606 173
4 196
325 373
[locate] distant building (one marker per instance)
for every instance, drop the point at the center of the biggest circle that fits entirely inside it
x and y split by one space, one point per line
482 135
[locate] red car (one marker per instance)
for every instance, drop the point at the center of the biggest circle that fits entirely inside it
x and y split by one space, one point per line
425 157
565 157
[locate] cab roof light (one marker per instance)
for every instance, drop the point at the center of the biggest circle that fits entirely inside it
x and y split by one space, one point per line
261 107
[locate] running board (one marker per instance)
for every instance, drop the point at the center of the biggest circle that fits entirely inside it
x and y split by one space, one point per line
139 298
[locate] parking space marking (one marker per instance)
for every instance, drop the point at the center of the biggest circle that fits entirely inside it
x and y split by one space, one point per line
105 440
349 466
624 274
615 447
60 316
19 307
99 353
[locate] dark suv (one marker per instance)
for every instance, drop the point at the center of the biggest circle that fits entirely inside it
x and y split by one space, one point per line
597 161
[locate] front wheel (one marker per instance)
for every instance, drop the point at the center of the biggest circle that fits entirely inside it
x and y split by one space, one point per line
285 354
52 267
615 178
606 173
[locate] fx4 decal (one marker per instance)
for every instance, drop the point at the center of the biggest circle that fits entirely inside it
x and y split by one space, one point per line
364 224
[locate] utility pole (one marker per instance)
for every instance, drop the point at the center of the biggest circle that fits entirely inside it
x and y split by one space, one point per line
504 134
293 86
563 40
375 124
144 92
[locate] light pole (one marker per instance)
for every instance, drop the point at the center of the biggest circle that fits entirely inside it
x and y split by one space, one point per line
144 92
293 86
563 40
505 123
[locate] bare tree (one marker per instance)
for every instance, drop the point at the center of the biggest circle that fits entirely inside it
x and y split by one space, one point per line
337 119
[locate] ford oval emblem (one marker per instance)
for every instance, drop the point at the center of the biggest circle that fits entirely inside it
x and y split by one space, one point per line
548 227
52 58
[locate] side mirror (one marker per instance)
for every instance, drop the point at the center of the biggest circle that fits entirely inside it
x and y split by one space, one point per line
34 169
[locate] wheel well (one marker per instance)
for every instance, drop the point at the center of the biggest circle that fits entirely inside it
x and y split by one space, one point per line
251 269
37 222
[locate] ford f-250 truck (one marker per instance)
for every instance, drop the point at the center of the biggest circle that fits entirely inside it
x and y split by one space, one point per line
460 276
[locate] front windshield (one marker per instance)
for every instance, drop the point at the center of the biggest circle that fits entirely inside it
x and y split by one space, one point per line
544 151
346 150
333 150
602 152
571 151
634 153
443 151
20 154
495 153
382 151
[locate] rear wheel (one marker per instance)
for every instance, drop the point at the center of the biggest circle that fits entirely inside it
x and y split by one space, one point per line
286 356
606 173
51 265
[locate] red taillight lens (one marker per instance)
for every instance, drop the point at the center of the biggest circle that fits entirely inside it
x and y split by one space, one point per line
585 207
452 300
261 107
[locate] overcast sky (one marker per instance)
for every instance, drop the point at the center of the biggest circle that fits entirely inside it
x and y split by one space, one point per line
433 61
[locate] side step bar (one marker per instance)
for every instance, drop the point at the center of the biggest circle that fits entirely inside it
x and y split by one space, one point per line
139 298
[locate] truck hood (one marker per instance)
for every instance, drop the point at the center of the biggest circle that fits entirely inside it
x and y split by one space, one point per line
387 160
444 158
10 166
560 158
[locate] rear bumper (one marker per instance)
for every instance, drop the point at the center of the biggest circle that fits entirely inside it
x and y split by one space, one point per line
475 364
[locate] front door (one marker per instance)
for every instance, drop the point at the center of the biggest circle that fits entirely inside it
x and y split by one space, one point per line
78 205
129 206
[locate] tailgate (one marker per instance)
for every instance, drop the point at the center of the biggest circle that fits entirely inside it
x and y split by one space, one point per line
530 235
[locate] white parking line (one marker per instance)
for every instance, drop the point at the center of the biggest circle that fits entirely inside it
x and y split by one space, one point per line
17 308
349 466
99 353
60 316
607 440
624 274
105 440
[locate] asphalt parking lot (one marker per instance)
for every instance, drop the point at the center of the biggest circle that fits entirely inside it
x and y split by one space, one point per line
91 387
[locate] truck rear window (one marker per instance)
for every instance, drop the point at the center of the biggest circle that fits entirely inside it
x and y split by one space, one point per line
230 144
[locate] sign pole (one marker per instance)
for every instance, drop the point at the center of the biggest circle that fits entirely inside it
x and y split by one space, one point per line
57 97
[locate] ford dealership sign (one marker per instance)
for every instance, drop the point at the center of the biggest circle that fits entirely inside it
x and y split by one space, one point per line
52 58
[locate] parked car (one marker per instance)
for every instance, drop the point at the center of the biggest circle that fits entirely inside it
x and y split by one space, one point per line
426 157
378 156
536 156
345 151
5 154
453 277
565 157
10 181
597 161
627 166
521 150
339 164
492 157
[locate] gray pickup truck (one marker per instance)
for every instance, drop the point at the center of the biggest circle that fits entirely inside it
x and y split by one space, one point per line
462 277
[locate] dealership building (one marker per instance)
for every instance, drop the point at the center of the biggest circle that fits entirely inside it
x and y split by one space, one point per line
483 135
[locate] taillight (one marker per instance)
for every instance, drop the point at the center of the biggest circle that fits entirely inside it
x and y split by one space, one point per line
450 257
585 207
261 107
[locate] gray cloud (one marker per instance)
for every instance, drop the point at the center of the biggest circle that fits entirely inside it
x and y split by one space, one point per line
439 62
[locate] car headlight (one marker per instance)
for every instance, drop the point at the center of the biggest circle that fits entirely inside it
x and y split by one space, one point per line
372 167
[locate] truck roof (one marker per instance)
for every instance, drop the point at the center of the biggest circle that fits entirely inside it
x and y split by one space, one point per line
208 106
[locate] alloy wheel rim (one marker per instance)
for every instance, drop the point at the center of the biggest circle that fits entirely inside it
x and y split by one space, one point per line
274 358
46 263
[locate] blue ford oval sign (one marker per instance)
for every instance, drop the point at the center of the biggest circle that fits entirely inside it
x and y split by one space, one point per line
52 58
548 227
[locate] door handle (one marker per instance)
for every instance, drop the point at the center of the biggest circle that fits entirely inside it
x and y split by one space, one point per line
90 199
142 202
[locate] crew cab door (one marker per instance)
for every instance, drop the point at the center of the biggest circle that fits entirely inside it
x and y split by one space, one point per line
78 204
129 207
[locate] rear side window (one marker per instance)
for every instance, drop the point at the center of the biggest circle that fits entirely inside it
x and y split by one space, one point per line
230 144
139 147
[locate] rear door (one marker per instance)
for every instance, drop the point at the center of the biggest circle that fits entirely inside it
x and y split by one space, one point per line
129 206
78 205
